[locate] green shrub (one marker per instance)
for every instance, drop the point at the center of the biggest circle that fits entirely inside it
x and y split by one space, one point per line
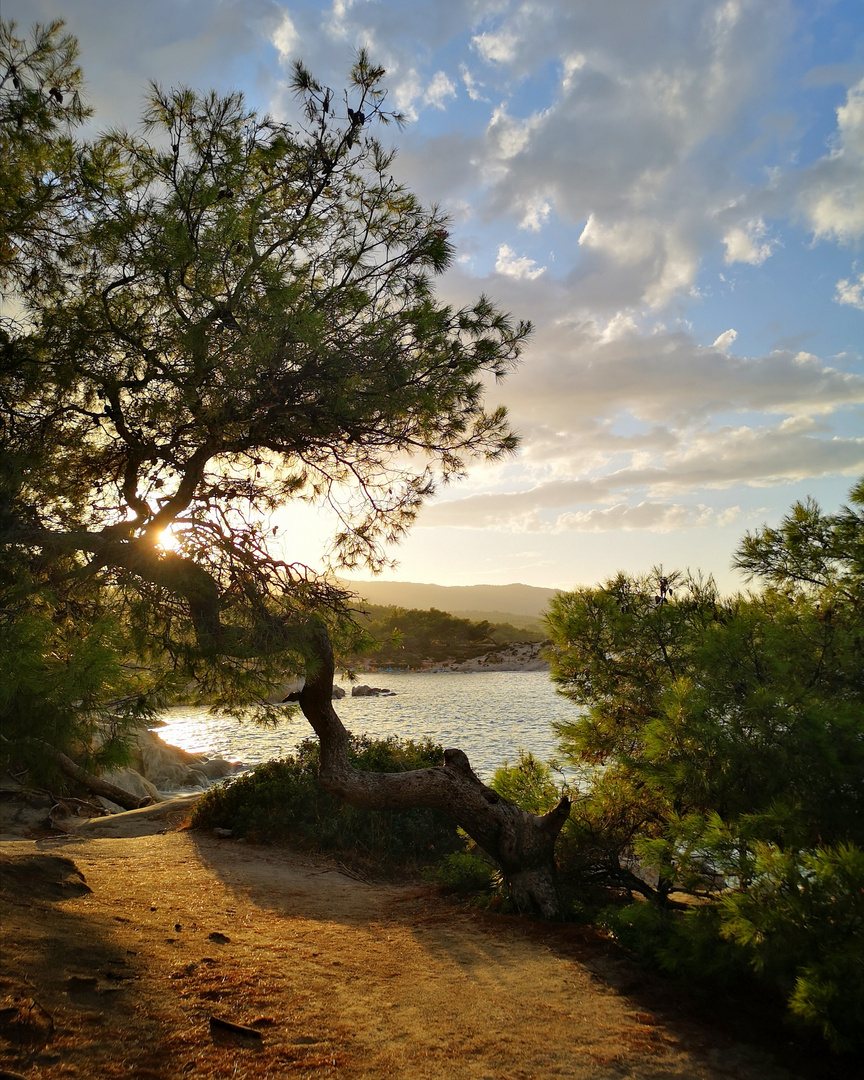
467 871
283 801
801 922
683 944
529 783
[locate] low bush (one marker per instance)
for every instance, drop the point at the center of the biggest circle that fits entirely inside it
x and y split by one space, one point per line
686 945
528 782
798 927
282 801
801 923
466 871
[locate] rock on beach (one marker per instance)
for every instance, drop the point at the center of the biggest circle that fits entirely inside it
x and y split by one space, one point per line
159 770
518 656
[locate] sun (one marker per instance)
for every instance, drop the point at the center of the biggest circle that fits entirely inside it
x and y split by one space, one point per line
167 541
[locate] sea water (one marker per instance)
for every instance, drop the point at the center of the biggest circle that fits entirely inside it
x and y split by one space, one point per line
491 716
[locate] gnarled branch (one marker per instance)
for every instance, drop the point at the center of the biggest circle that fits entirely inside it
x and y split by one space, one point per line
522 843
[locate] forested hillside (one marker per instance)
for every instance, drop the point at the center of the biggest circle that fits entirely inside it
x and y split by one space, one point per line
410 637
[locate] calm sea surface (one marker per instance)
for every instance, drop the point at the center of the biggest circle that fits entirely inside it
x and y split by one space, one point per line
490 715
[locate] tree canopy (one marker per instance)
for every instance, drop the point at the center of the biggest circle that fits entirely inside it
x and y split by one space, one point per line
204 320
721 749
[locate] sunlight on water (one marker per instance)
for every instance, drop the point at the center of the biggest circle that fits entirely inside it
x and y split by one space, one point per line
489 715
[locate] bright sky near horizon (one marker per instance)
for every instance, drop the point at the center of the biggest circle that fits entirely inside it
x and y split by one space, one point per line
672 192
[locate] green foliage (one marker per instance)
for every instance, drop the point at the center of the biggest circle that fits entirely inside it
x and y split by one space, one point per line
468 871
529 783
40 105
810 550
63 685
720 751
408 637
748 709
801 922
282 801
202 322
686 945
66 681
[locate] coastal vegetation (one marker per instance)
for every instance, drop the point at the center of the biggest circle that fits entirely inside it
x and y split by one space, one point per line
720 751
207 320
409 638
282 801
716 770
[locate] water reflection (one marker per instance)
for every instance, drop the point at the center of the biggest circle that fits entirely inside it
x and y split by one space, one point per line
489 715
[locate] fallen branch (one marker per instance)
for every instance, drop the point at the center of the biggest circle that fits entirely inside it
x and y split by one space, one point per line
93 783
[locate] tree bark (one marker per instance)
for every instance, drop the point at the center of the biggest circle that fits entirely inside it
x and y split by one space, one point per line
93 783
522 843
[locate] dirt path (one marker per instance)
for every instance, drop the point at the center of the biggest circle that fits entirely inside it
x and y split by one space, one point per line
338 977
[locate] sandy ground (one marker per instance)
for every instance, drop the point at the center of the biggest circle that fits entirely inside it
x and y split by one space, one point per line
336 977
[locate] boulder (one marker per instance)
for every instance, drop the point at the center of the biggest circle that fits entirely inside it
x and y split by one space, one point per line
370 691
215 768
133 782
157 768
167 815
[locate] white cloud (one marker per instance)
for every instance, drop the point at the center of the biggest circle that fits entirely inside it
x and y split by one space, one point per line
832 195
473 87
621 325
662 260
725 341
536 214
498 48
579 370
512 265
851 292
626 241
286 39
338 22
573 63
747 244
439 91
727 516
618 144
850 122
715 460
509 136
652 516
407 88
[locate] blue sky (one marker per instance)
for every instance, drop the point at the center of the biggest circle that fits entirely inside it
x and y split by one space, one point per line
673 192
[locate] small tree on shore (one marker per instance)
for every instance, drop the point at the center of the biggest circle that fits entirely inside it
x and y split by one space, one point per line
210 319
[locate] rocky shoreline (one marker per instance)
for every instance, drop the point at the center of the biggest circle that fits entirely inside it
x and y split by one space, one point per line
159 770
516 656
164 774
167 776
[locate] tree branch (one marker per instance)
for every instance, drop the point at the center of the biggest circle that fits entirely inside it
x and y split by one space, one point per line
520 842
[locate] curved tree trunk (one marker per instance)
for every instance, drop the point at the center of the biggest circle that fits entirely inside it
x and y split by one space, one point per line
523 844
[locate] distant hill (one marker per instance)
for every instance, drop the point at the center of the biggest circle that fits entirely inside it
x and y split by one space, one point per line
497 603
